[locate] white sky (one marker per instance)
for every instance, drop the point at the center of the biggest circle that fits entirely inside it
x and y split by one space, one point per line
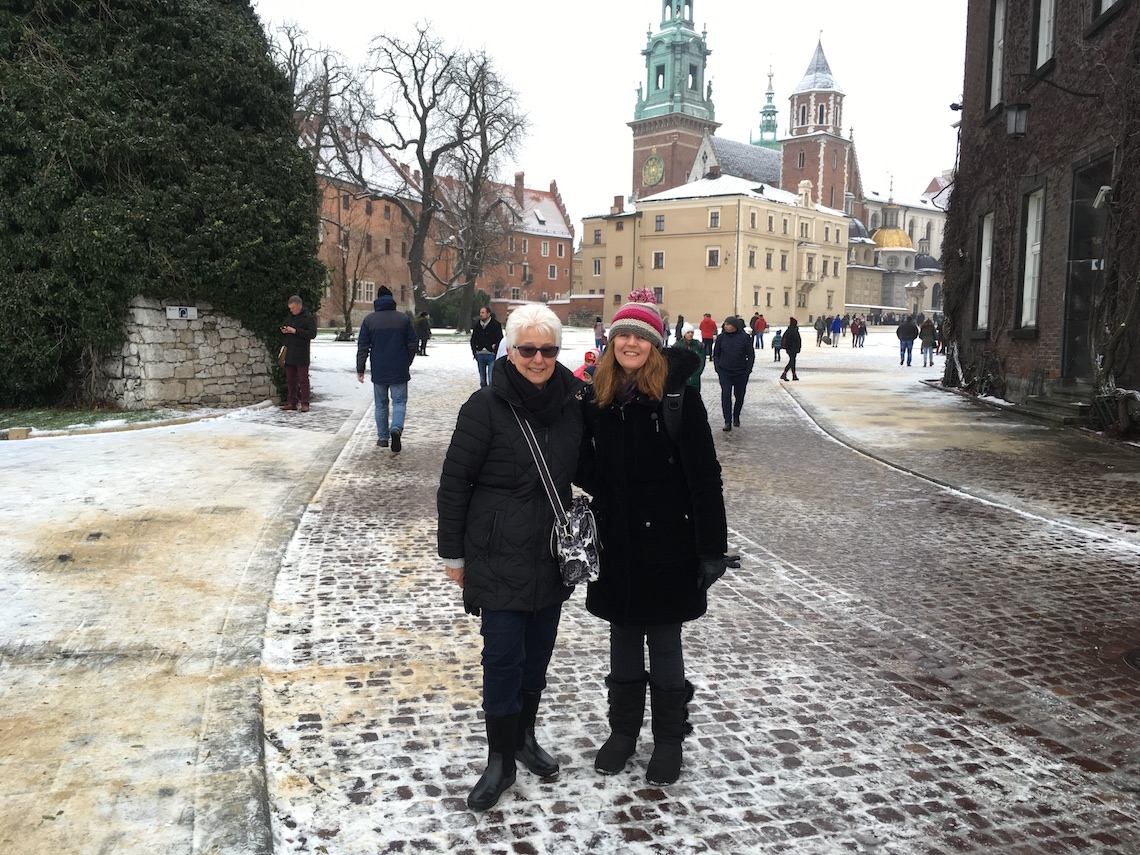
577 66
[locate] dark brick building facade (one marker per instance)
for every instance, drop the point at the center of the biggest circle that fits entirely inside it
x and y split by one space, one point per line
1041 250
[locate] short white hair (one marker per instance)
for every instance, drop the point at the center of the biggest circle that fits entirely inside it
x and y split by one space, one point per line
533 316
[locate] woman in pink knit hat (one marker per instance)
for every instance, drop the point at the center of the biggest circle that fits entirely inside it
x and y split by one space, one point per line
658 499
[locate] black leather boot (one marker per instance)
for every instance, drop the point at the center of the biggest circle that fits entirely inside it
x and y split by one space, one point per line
526 746
500 773
670 726
627 710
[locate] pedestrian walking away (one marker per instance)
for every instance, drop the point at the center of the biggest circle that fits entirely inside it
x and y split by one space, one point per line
423 332
485 338
661 521
299 329
820 331
679 331
836 330
733 358
708 334
907 332
927 335
777 345
494 529
759 327
389 342
599 333
792 346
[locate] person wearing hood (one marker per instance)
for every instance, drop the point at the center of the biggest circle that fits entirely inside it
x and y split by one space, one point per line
792 345
659 503
733 358
495 523
585 371
389 340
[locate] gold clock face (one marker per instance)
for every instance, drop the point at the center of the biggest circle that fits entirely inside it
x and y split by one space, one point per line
653 170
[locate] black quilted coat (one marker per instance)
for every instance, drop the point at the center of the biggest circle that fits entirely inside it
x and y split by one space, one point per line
659 505
493 510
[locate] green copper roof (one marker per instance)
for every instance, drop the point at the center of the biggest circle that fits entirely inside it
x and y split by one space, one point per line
675 60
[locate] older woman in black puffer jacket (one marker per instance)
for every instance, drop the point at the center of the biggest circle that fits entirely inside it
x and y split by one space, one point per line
495 522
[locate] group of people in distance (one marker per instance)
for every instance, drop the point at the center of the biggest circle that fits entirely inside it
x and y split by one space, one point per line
659 505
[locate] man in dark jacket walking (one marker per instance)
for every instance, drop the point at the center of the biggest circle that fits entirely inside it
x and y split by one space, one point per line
485 338
907 332
792 345
388 338
733 357
299 329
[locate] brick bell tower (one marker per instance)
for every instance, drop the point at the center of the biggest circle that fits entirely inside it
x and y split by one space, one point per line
815 149
674 104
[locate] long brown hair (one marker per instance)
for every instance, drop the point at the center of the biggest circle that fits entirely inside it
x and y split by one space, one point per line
609 375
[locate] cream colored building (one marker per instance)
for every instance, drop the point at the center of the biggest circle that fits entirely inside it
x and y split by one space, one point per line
722 245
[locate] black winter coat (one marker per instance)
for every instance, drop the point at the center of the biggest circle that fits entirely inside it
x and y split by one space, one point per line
659 505
297 344
493 509
486 337
733 353
792 342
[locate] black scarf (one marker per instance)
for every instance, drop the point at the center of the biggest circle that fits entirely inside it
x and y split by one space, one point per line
543 404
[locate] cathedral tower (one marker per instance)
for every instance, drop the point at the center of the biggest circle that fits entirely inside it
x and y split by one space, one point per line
769 125
815 149
674 105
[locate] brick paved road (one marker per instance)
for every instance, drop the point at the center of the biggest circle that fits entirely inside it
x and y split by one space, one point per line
898 668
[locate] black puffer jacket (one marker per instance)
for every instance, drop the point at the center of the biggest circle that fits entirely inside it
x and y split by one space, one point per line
659 505
493 509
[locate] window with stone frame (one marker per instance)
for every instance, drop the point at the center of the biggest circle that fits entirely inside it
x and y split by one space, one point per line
985 271
713 257
1034 219
1044 31
597 267
659 261
996 68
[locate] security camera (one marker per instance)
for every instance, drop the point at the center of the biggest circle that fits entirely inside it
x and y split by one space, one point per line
1104 194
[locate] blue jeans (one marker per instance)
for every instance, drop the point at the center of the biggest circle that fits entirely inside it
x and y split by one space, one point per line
906 348
517 647
399 394
760 340
486 363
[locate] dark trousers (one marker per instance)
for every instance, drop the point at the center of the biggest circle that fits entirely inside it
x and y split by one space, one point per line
791 366
297 381
423 347
666 659
516 652
708 343
732 385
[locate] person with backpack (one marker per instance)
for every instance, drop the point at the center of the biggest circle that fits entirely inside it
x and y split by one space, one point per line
661 520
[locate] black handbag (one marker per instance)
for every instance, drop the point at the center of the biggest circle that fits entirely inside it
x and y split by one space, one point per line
574 538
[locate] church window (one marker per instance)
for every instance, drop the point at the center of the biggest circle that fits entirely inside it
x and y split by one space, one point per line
659 77
822 114
597 267
659 223
890 218
387 246
985 270
997 53
834 164
713 258
1031 278
874 221
694 82
910 229
803 114
658 261
800 160
831 197
1044 13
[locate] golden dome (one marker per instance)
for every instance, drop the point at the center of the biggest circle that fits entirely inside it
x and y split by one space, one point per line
889 238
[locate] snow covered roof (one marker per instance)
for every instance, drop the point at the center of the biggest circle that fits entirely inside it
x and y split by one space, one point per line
744 160
818 76
730 185
922 202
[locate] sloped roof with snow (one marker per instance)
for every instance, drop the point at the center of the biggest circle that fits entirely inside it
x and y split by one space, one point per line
731 185
818 75
751 162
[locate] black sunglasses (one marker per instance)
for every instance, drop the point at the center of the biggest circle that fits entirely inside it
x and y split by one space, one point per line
527 351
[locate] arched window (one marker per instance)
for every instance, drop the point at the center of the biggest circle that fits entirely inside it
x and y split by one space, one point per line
803 114
822 114
874 221
800 160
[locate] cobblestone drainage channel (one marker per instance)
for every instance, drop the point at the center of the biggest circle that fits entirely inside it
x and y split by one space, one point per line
1132 658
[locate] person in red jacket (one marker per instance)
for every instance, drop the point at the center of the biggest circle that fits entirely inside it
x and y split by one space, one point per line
708 334
759 327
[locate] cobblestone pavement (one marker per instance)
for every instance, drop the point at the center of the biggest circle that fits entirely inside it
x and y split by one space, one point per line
923 655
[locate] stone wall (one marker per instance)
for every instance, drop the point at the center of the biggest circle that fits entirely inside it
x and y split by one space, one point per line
212 361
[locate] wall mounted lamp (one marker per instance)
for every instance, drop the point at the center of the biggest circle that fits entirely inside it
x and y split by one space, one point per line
1016 119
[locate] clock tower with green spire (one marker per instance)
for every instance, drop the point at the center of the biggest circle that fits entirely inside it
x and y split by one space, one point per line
674 105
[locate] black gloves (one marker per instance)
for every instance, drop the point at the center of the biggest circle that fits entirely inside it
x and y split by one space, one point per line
712 568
